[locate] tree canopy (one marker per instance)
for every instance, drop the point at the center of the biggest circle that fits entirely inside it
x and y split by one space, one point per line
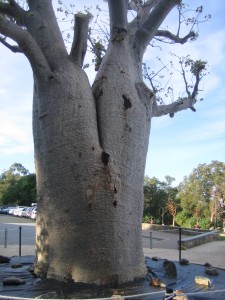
17 186
157 195
197 199
196 190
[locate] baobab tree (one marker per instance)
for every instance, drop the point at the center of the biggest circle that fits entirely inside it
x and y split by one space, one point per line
91 141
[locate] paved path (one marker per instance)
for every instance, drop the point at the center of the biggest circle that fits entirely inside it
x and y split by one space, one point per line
166 248
164 244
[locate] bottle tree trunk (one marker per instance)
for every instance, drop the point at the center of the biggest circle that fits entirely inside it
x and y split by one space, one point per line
90 152
90 160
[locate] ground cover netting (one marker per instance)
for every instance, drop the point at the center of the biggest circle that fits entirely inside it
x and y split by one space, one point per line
185 281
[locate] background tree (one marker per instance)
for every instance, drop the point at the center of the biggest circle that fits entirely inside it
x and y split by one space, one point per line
91 142
17 186
202 189
156 196
172 209
154 200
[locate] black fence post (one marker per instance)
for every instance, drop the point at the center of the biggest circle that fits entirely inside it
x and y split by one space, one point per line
180 244
5 241
150 236
20 231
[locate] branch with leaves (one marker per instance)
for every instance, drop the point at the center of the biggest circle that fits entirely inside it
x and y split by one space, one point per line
196 68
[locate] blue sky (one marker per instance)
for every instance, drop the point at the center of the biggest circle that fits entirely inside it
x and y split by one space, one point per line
176 145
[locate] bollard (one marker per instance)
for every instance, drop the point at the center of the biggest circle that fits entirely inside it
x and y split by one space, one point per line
150 239
6 234
20 229
180 244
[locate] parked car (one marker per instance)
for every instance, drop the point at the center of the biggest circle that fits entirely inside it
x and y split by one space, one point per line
21 211
11 210
16 211
34 213
6 210
27 213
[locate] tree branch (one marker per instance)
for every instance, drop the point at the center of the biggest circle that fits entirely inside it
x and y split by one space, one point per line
172 108
118 19
27 44
141 9
13 10
197 68
155 18
15 49
175 38
41 23
79 45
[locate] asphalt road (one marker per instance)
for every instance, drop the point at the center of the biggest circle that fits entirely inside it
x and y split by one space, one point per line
10 228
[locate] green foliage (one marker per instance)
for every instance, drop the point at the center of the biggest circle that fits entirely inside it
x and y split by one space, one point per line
188 220
147 219
182 217
195 199
221 238
190 223
196 67
204 223
156 196
196 190
17 186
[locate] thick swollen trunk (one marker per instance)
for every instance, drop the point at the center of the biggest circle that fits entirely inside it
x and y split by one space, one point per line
90 193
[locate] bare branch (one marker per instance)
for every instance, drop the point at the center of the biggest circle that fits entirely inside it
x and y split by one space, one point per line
185 79
41 23
15 49
172 108
142 10
118 19
27 44
155 18
175 38
79 46
13 10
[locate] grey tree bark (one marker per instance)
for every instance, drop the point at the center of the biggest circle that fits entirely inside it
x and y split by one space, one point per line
90 143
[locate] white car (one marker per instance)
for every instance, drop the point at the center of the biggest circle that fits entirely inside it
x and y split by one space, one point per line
21 211
11 210
16 211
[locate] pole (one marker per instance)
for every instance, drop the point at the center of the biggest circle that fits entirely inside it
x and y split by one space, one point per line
180 244
150 239
6 233
20 229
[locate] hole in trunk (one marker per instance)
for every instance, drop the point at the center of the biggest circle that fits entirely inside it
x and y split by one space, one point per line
126 102
115 190
114 203
105 158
